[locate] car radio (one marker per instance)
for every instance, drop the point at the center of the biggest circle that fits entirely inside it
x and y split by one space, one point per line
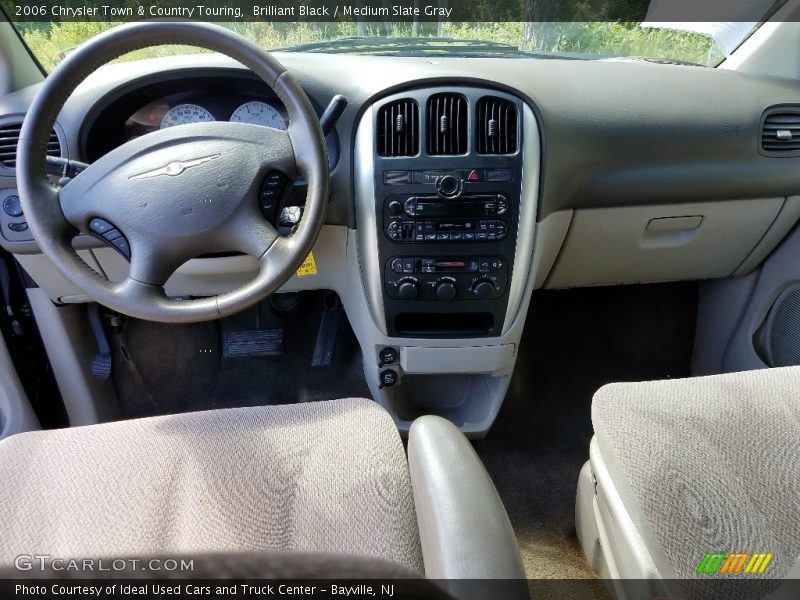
425 218
446 222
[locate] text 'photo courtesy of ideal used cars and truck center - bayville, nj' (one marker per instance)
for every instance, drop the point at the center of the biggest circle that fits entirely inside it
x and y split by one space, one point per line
400 299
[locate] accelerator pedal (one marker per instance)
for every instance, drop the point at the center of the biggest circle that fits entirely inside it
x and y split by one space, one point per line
328 330
259 342
100 367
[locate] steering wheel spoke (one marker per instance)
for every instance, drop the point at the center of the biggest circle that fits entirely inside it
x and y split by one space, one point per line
79 208
153 265
252 234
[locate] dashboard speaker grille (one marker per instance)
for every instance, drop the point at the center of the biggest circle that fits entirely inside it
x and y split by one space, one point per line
784 328
9 138
780 132
496 128
447 124
398 128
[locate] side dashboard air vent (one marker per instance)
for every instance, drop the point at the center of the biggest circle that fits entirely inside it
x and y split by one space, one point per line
780 132
447 124
496 126
398 128
9 137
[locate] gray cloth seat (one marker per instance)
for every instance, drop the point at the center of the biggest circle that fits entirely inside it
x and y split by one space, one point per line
326 477
685 467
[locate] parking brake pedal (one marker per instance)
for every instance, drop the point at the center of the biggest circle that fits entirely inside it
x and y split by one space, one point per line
328 330
101 362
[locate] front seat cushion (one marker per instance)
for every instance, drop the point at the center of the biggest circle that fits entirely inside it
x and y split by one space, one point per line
708 464
319 477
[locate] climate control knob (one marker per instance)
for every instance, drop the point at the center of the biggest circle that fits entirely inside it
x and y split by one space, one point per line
445 289
408 290
483 289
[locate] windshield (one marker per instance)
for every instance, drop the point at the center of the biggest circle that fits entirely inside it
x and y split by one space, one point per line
654 37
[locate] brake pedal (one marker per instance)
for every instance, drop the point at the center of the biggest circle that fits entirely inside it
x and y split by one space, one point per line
260 342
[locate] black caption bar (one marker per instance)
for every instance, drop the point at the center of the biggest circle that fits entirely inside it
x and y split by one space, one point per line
393 10
396 589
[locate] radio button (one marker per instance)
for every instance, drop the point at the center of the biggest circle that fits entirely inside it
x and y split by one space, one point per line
502 205
408 265
395 207
394 230
449 186
442 237
469 237
502 230
456 237
396 265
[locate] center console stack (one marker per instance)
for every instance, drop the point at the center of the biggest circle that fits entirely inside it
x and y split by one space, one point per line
448 171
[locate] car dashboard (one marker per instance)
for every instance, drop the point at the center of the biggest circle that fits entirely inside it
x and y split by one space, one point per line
459 186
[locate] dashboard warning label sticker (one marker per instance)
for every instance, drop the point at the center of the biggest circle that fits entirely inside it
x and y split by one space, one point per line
309 266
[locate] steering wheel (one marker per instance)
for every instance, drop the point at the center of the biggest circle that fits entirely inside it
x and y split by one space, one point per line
179 192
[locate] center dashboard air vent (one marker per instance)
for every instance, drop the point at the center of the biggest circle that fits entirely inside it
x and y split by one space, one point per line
447 124
9 138
780 131
496 126
398 128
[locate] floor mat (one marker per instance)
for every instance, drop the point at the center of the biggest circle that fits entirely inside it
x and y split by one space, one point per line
574 342
165 369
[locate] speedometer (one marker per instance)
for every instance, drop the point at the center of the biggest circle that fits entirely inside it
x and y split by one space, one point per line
258 113
185 113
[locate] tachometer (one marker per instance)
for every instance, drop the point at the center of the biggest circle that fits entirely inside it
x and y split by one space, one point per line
258 113
185 113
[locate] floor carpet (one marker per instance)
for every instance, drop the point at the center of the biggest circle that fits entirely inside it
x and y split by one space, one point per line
164 369
574 342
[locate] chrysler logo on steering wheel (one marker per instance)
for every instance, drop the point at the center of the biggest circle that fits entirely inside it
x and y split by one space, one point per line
175 168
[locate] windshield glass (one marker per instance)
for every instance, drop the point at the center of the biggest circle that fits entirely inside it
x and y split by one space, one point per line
654 37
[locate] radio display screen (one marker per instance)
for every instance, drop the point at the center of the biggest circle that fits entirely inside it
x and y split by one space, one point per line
445 209
446 226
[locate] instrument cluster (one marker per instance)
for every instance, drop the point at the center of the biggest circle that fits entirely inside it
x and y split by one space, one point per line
172 111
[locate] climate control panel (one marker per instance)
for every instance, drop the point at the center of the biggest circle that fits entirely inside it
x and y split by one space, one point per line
444 279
